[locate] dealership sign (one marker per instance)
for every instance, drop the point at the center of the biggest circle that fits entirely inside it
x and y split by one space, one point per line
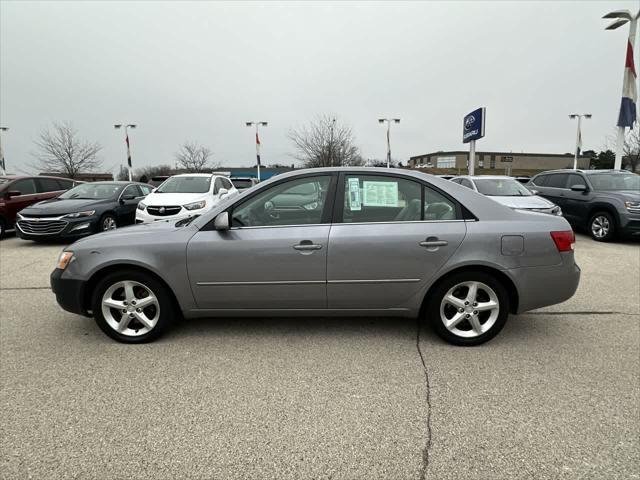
473 125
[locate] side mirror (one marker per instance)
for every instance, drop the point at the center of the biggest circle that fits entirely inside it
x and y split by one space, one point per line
13 193
534 191
221 222
154 190
222 192
579 188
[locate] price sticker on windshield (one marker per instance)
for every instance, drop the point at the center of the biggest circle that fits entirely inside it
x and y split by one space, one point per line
355 203
380 194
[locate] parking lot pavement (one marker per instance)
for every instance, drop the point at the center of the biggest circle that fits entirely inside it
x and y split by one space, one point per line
555 395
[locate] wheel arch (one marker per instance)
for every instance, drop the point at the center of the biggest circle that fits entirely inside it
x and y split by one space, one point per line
603 207
512 291
109 269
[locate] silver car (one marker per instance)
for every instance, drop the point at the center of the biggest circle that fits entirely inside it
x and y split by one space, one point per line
509 192
366 241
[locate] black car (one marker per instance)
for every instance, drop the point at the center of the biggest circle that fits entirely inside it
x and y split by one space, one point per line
605 202
86 209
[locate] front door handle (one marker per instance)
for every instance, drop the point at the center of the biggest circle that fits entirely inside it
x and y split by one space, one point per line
306 245
434 242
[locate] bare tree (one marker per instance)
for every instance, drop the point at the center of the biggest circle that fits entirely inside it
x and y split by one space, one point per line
325 142
193 157
155 171
630 148
60 150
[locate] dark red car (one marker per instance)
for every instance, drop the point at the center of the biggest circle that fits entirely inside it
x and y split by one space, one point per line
17 193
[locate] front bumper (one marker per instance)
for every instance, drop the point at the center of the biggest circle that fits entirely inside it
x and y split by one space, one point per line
549 285
630 224
142 216
69 292
58 229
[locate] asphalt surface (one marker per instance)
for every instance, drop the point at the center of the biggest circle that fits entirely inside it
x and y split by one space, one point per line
555 395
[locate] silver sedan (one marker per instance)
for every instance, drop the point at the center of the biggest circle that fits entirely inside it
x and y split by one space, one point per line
334 241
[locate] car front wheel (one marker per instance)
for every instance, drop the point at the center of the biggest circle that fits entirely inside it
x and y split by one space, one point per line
468 308
108 222
602 227
132 307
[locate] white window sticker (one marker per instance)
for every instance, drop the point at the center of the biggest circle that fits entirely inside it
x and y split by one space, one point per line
355 203
380 194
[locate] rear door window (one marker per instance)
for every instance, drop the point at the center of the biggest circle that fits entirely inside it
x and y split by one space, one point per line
557 180
540 180
48 185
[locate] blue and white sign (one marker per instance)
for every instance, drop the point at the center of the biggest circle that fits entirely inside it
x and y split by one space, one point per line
473 125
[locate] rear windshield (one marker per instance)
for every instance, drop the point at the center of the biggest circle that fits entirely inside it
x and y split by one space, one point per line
185 185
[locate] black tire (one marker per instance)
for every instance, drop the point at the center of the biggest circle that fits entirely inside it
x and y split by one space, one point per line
433 310
165 316
3 228
602 227
105 219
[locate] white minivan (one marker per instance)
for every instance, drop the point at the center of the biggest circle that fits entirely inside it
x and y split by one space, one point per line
185 195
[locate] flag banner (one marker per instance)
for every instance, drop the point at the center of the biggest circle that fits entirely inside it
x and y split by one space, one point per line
258 148
627 116
128 150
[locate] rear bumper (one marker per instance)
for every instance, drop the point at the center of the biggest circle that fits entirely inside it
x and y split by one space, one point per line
543 286
69 292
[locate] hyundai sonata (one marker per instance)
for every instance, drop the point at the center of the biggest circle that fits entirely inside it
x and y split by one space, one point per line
334 241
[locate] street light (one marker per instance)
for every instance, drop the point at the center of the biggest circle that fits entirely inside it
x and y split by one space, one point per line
3 167
576 153
117 126
627 115
257 124
388 121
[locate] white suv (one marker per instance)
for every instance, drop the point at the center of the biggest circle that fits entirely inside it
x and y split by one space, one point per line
183 196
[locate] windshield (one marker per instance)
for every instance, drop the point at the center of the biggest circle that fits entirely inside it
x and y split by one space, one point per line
501 187
615 181
93 191
185 185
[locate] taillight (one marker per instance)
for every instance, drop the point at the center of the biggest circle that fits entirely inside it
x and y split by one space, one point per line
564 240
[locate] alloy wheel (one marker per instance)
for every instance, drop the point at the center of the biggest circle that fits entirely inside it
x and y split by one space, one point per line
469 309
130 308
109 223
600 226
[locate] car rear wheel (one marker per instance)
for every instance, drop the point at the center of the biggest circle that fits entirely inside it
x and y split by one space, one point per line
3 228
108 222
468 308
132 307
602 227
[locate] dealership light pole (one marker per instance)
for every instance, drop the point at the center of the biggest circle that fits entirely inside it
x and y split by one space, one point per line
576 153
257 125
627 116
3 168
126 139
388 122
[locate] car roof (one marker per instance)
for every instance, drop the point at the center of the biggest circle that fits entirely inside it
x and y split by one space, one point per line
488 177
586 172
197 175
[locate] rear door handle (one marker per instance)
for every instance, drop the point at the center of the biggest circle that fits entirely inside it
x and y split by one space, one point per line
434 243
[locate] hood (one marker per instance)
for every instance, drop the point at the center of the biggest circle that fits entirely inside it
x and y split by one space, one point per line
169 199
525 202
132 234
57 206
628 195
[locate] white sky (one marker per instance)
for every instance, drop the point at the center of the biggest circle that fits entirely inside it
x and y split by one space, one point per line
199 70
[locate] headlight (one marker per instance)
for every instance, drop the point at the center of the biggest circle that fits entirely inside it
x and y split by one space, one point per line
141 206
64 260
88 213
195 205
633 206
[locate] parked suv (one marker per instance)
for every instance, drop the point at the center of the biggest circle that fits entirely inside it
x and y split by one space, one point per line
17 193
606 202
